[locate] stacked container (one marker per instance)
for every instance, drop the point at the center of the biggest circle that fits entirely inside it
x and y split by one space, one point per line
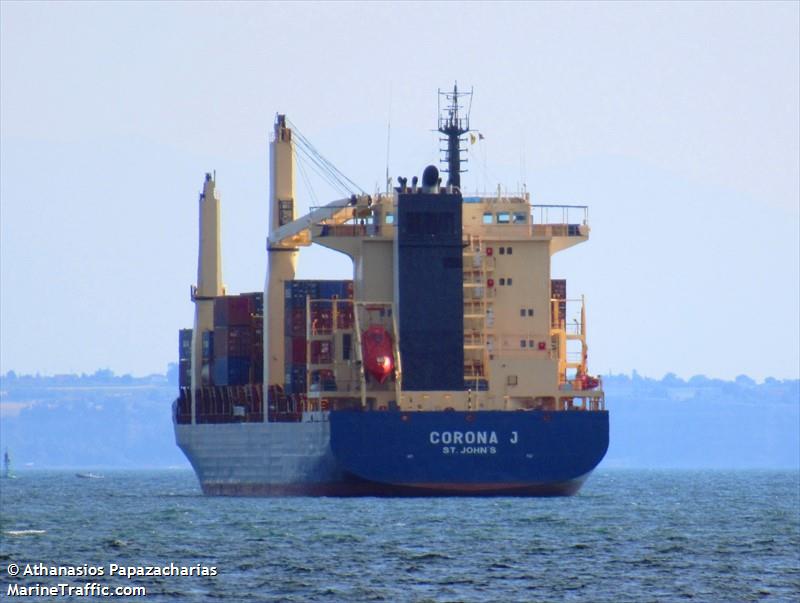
558 290
207 366
185 357
296 295
233 339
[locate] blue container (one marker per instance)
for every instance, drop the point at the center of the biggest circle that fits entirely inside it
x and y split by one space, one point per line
295 379
297 291
185 344
331 289
208 345
231 370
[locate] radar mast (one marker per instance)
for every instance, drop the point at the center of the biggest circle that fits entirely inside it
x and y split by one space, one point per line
453 126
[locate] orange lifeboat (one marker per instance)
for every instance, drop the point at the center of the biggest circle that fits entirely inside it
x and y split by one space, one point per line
376 346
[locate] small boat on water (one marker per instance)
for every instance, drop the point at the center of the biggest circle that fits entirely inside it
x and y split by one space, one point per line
7 472
88 476
24 532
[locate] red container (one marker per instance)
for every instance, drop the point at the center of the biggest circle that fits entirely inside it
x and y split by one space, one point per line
296 322
233 341
232 310
295 350
321 352
321 320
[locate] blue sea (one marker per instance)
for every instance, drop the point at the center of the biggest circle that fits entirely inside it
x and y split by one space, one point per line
627 536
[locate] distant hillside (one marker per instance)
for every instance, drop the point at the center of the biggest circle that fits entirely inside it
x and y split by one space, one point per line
703 422
99 420
106 420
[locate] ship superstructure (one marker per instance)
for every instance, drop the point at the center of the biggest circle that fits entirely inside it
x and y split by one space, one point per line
452 363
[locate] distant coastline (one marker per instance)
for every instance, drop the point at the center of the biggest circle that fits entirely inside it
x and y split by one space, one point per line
104 420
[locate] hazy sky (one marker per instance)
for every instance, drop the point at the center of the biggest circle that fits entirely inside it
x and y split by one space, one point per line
676 123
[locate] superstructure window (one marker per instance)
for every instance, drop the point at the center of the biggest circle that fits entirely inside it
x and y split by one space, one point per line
530 311
510 250
522 343
509 281
389 218
522 312
502 251
503 217
502 282
488 218
520 218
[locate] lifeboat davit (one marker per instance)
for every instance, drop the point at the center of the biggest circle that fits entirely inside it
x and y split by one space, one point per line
376 346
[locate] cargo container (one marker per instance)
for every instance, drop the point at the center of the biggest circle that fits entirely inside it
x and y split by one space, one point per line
208 345
295 379
231 370
295 350
233 341
558 290
185 372
232 310
185 344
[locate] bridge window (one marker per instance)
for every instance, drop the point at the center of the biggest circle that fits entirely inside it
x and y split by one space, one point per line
389 218
488 218
520 218
503 217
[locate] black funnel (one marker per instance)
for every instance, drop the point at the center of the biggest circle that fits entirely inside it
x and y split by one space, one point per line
430 179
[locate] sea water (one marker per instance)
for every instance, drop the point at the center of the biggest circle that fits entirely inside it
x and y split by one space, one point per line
627 536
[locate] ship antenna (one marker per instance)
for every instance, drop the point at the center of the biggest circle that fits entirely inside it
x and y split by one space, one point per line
453 126
388 140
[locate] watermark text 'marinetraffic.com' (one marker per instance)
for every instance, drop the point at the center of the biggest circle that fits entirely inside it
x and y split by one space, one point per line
27 586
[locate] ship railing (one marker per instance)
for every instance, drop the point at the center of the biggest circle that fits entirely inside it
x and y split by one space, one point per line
582 401
569 317
221 404
533 221
349 229
325 316
560 215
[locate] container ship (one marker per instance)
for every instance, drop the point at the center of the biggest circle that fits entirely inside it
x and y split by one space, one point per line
452 364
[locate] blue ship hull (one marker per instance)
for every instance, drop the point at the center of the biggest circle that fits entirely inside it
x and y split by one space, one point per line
438 453
535 453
